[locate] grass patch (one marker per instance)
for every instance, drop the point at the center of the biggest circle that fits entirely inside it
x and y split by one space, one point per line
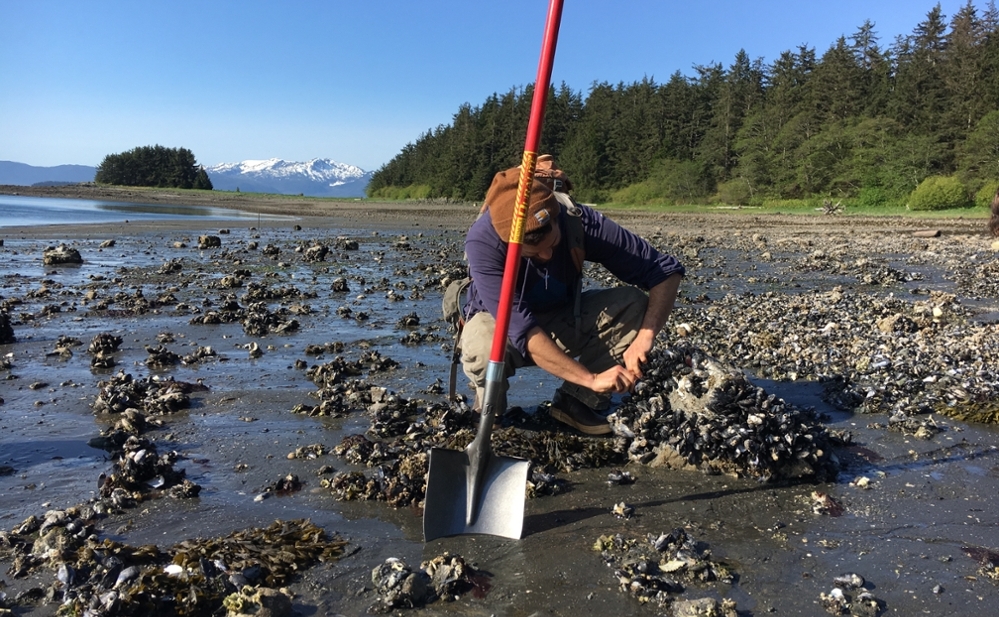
800 208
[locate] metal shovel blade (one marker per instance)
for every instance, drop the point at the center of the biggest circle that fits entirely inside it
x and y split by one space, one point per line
500 510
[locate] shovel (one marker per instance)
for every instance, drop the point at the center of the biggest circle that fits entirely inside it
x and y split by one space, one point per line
474 491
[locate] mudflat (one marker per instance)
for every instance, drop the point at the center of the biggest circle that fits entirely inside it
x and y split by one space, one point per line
887 336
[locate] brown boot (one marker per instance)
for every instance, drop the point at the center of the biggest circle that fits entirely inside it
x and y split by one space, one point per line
569 410
497 418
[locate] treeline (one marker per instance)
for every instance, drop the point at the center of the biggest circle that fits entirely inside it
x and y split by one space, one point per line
154 166
865 121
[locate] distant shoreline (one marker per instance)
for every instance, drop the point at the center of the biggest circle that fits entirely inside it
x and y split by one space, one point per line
326 212
314 211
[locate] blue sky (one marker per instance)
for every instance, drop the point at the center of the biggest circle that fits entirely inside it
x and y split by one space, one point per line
352 81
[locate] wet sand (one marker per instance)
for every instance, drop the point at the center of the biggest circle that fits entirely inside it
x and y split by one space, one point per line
925 501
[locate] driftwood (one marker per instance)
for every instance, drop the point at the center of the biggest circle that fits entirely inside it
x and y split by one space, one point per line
926 233
828 207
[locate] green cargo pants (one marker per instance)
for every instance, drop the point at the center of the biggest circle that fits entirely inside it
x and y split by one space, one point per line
610 319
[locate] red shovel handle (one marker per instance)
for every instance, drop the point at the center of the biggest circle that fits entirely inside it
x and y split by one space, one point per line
527 165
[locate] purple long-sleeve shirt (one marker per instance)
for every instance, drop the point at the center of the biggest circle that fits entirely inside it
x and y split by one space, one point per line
551 286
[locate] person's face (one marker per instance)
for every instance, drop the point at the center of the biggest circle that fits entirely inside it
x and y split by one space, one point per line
542 251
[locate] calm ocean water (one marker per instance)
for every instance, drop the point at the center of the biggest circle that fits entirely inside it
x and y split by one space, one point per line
22 211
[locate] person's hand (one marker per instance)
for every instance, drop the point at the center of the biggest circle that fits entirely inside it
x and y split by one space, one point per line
616 379
637 353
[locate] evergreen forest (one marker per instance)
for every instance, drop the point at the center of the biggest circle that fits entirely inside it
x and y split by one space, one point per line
866 122
154 166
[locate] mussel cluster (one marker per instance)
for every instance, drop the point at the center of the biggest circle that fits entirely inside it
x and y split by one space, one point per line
978 280
399 481
149 395
445 577
160 357
865 270
104 343
403 432
102 348
139 470
335 371
691 409
849 597
195 577
258 320
874 354
47 541
659 567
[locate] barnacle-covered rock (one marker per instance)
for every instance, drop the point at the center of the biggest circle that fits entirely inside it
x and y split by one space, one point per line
704 607
694 411
315 253
451 576
399 586
258 602
61 254
209 242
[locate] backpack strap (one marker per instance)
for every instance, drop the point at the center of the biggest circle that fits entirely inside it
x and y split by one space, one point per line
575 238
455 360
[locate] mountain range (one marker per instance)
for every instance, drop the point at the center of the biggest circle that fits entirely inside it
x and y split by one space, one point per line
21 174
315 178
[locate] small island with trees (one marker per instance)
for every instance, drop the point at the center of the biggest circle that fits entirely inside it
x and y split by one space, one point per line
154 166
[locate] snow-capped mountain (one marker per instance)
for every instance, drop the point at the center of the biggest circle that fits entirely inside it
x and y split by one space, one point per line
315 178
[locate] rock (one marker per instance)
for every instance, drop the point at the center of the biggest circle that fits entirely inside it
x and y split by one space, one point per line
897 323
926 233
260 602
995 245
209 242
717 421
107 244
399 586
6 330
702 607
316 252
61 254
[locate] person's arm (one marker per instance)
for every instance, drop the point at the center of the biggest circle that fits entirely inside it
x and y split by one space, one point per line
661 300
550 357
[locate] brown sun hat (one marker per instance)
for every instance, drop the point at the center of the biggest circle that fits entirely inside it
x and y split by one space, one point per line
548 171
501 200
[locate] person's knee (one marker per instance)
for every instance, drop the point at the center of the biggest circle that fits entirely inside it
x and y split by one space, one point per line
631 304
477 336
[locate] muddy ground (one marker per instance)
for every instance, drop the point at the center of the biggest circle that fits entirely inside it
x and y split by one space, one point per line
916 529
